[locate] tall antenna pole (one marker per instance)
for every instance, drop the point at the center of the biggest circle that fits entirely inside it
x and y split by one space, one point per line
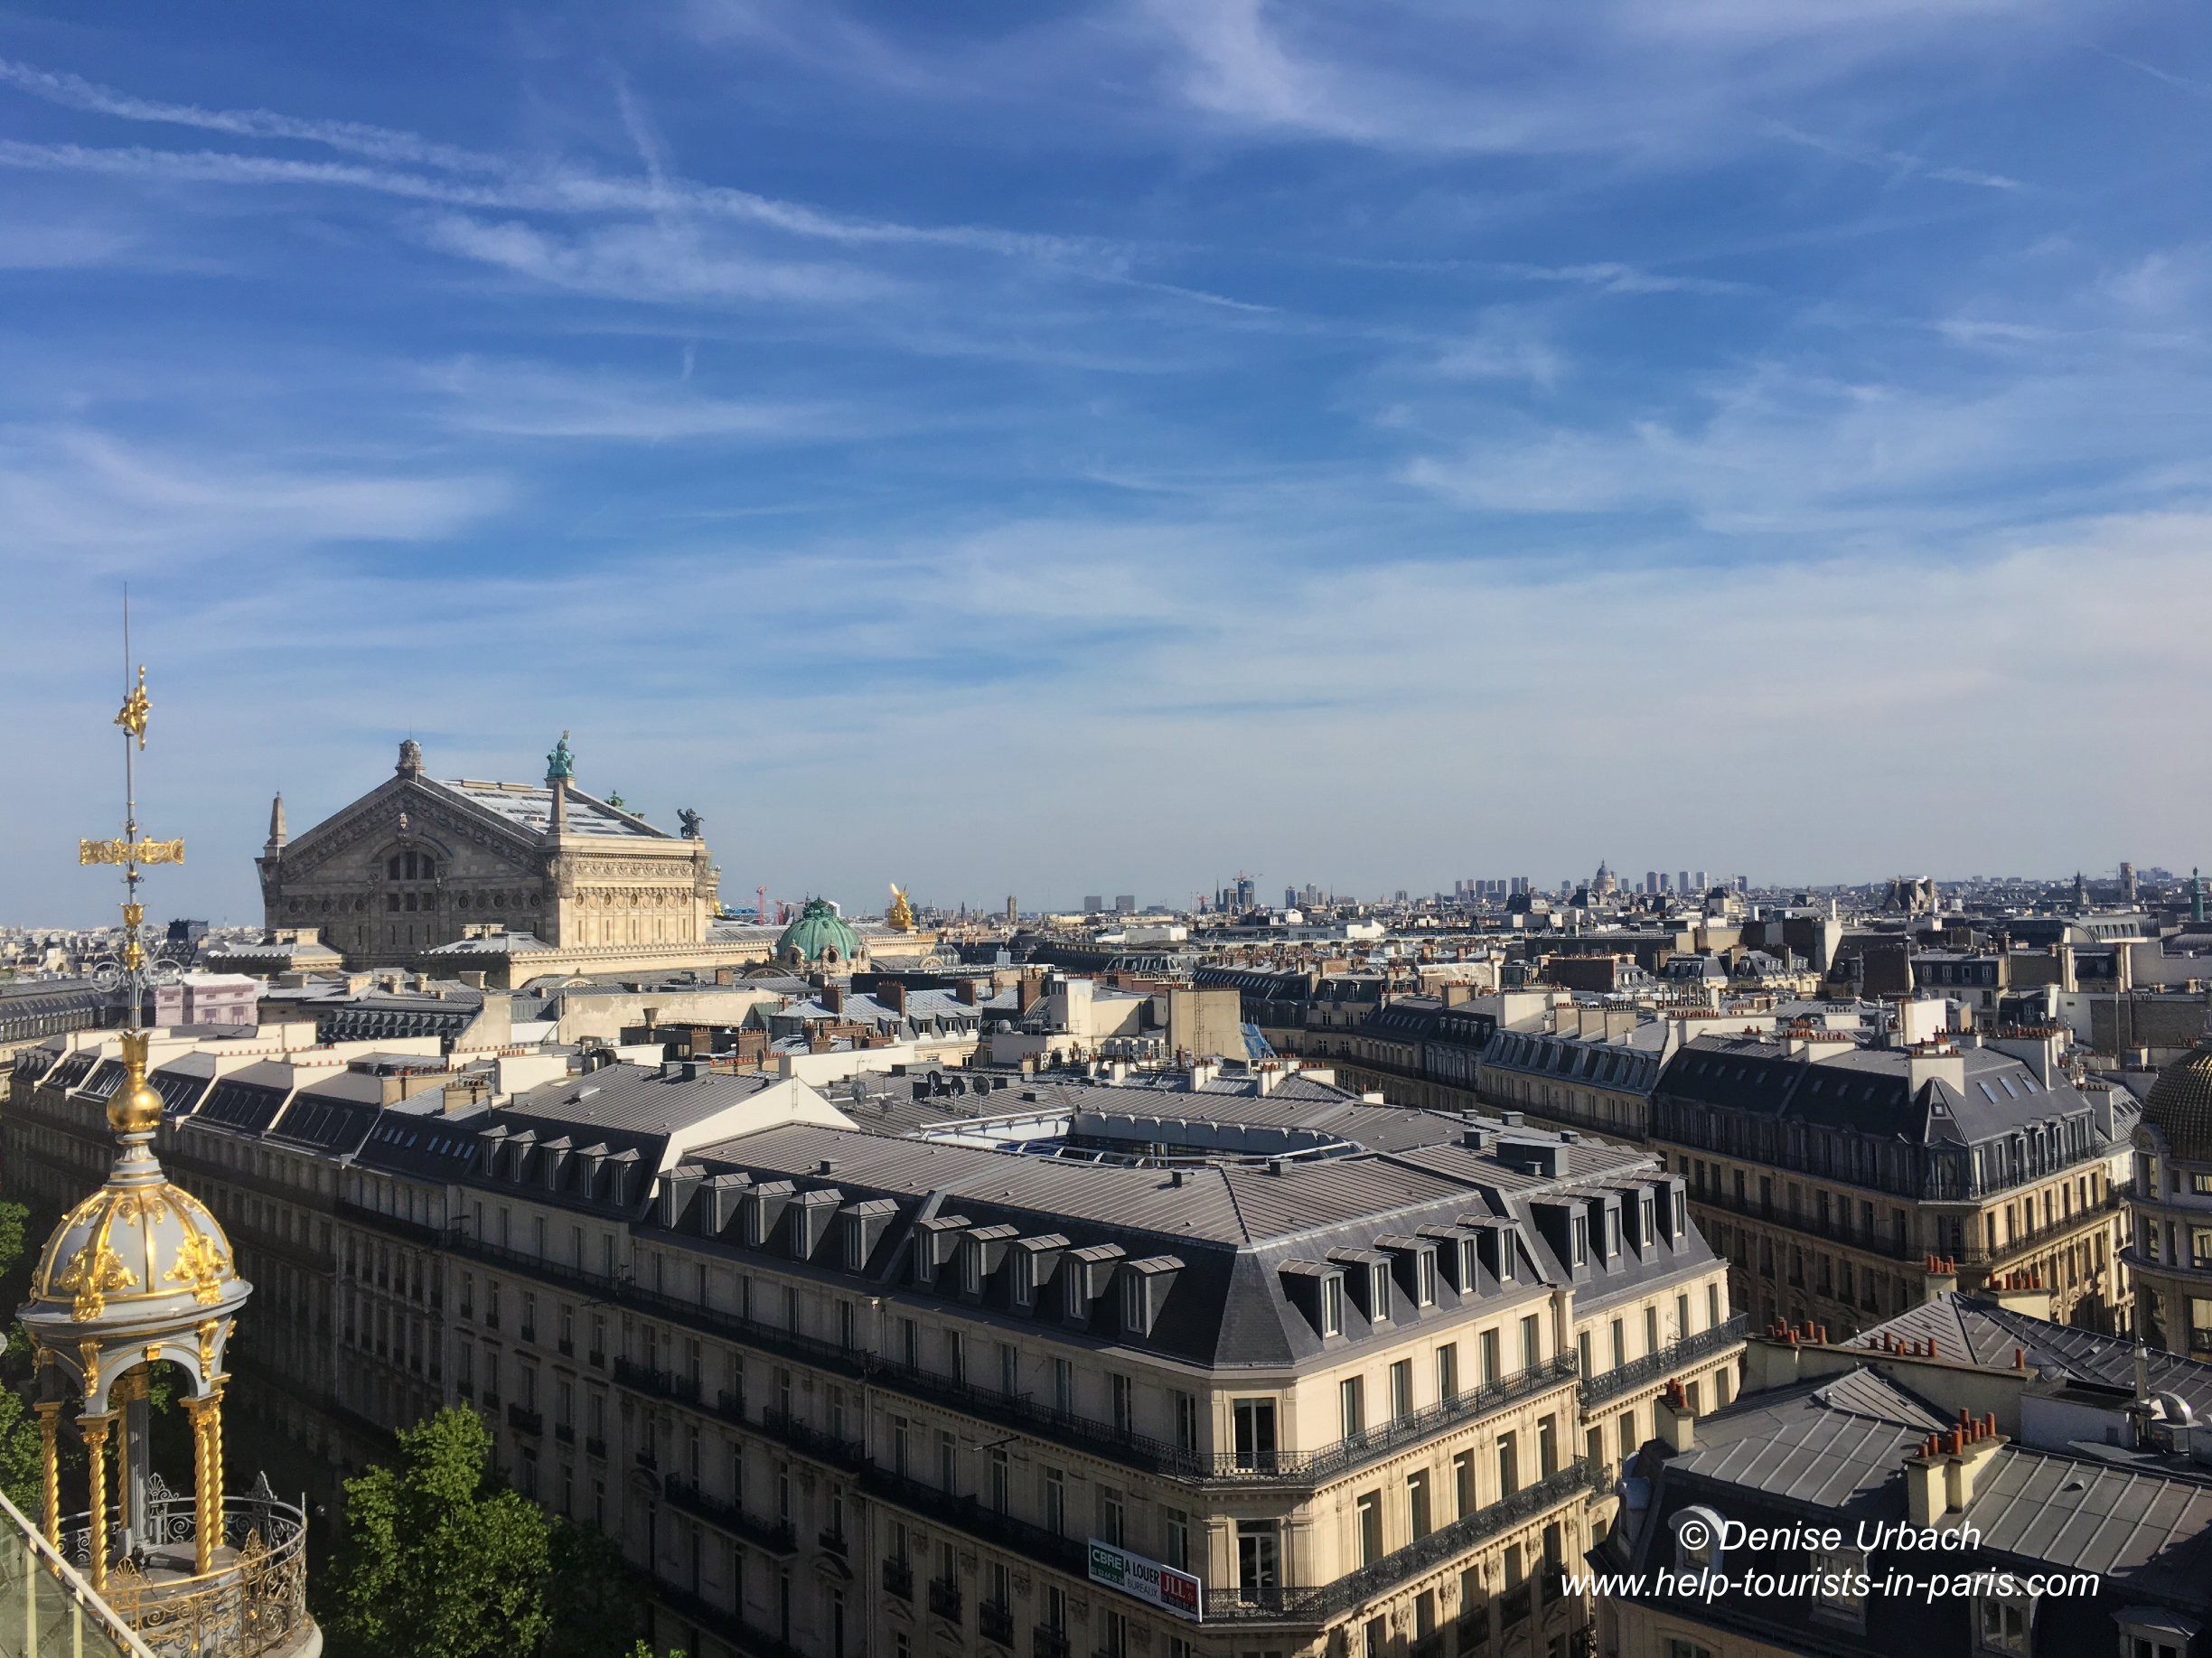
132 972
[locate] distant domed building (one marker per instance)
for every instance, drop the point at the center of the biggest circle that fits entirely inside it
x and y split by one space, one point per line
2169 1209
819 937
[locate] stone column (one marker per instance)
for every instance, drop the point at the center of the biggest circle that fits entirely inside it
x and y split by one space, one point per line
50 1456
95 1431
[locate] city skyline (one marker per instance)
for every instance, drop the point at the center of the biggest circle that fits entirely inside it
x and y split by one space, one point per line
1371 450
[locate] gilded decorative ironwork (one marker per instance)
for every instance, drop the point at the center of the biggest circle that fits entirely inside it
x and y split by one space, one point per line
201 1265
136 707
139 851
95 1271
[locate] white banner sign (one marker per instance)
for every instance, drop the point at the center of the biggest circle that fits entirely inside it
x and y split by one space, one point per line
1148 1580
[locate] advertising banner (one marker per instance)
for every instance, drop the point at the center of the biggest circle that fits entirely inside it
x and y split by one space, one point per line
1149 1580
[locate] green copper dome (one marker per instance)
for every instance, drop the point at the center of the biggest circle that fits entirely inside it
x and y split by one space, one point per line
819 934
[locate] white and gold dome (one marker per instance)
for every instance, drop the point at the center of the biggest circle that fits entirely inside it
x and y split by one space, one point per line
138 1272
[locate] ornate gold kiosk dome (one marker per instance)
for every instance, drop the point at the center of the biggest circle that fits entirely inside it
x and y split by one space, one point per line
139 1271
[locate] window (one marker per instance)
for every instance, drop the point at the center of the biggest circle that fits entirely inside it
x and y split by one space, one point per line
971 1269
910 1341
1009 1369
956 1356
1402 1390
1448 1371
1620 1343
1064 1387
1255 1432
1840 1587
2002 1623
1508 1464
1490 1370
1113 1515
1425 1277
1025 1278
1612 1231
1463 1485
1259 1565
1352 1405
1055 1502
1174 1538
1581 1252
900 1440
1417 1503
1379 1292
1532 1344
1681 1316
1000 1480
1076 1299
1371 1528
948 1464
1712 1298
1187 1422
1651 1329
1124 1405
1332 1305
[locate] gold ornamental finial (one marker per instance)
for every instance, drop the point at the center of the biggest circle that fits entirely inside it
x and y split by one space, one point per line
133 718
135 1108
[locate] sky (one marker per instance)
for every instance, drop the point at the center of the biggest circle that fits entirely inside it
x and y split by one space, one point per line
1094 448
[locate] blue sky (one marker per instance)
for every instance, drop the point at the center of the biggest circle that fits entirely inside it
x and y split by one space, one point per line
1057 449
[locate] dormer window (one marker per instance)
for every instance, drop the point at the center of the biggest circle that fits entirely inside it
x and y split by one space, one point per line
1580 1248
1681 1218
1508 1247
1078 1298
1332 1305
1424 1279
1466 1266
1379 1290
1025 1278
971 1269
856 1246
1644 1210
1133 1288
1612 1233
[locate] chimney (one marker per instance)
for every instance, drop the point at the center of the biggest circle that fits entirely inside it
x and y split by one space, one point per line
892 994
966 990
1671 1416
1027 992
1942 1276
832 996
1924 1480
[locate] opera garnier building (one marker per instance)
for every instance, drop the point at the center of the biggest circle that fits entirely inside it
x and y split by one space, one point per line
125 1557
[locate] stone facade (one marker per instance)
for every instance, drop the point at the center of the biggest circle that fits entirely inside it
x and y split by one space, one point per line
419 863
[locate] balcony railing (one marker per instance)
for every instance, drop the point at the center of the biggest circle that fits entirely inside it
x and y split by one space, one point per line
1047 1547
2040 1237
1048 1643
774 1536
723 1623
664 1383
1078 1432
814 1442
944 1599
1656 1366
595 1446
1324 1601
835 1542
995 1622
898 1578
524 1422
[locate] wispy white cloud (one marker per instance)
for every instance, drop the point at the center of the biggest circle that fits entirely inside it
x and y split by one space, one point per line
535 400
656 261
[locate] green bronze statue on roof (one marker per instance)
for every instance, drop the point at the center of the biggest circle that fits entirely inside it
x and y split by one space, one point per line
560 765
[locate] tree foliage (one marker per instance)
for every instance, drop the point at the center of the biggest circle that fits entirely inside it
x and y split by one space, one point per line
596 1599
21 1471
440 1559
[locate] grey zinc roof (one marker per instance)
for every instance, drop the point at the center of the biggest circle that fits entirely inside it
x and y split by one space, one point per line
1835 1444
2151 1531
1968 1326
1232 1205
636 1099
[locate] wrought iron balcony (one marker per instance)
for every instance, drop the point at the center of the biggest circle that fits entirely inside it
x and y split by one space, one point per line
1322 1601
995 1622
661 1383
526 1421
773 1536
898 1578
1657 1366
944 1599
594 1448
1048 1643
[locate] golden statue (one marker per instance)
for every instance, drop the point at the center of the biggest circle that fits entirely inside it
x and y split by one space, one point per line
900 916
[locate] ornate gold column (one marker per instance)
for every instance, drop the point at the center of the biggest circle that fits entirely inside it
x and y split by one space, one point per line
50 1456
207 1489
95 1430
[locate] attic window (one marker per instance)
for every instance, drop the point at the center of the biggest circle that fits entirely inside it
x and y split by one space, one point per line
1379 1292
1332 1305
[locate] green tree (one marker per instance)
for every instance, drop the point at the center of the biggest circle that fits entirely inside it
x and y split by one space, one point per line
440 1559
595 1598
22 1473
